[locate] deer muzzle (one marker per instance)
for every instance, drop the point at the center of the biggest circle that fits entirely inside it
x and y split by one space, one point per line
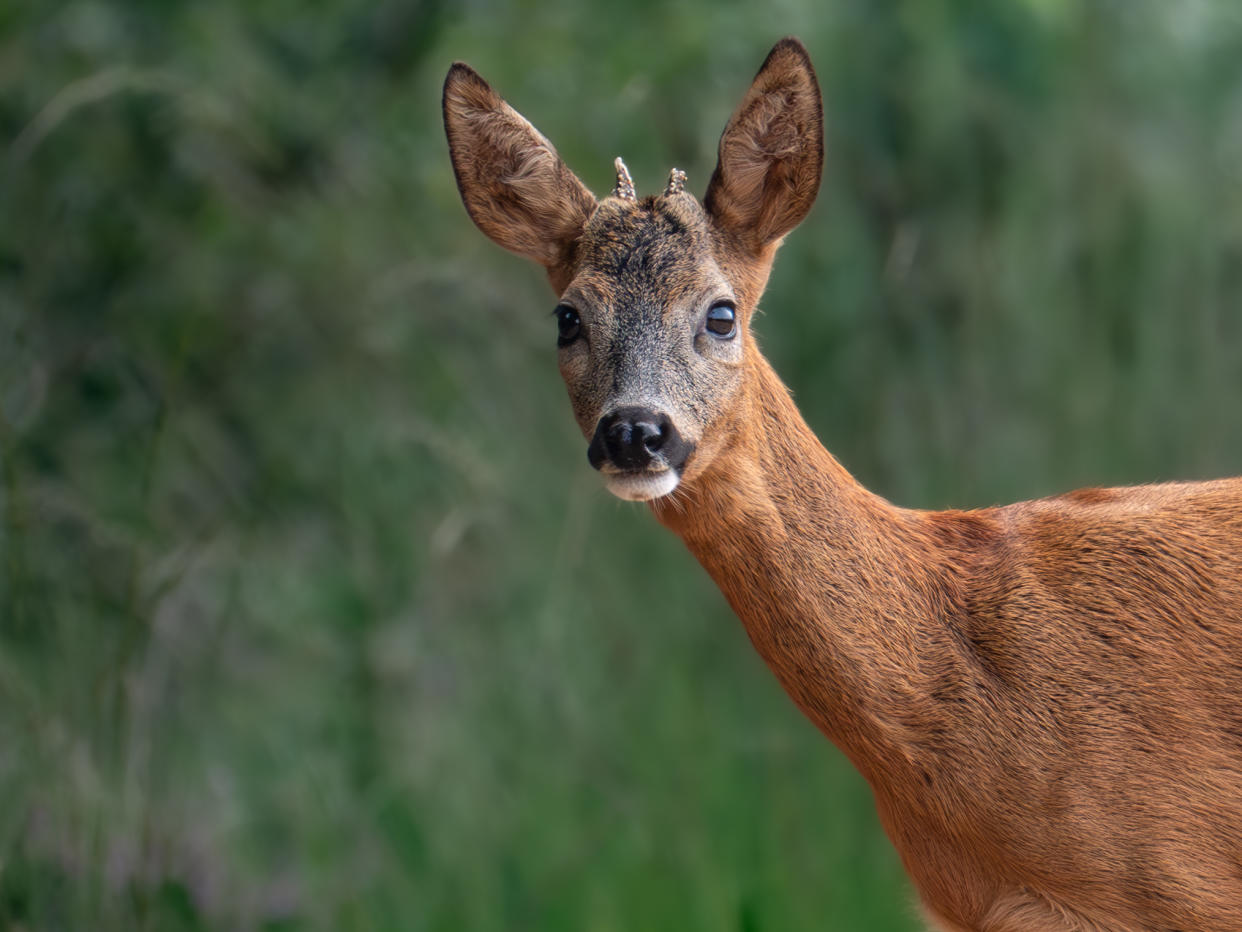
639 451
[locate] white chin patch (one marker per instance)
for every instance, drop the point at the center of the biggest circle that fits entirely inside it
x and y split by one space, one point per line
644 487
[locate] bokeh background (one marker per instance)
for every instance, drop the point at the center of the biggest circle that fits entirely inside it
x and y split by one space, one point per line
312 614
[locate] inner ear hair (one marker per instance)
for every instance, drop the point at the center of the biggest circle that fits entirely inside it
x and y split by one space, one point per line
514 185
771 153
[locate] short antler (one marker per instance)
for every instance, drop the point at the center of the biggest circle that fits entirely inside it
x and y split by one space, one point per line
676 182
625 185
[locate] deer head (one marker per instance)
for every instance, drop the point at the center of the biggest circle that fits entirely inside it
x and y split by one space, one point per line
655 294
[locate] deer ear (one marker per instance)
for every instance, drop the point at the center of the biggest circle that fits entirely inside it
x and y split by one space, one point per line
514 185
771 151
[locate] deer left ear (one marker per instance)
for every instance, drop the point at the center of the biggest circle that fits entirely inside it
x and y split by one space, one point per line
771 152
514 185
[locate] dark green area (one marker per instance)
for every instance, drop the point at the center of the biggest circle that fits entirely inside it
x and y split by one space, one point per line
312 614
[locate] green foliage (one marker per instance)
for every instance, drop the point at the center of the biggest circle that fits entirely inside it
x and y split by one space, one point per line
311 612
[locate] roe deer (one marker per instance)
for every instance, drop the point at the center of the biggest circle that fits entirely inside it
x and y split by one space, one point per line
1044 697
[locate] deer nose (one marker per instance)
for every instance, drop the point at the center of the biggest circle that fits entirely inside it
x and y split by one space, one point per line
629 438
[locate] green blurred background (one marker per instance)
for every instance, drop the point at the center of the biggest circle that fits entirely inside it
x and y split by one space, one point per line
312 614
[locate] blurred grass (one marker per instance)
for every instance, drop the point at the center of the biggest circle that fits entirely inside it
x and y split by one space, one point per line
311 612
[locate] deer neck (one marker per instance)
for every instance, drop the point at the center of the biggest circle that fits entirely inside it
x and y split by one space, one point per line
828 578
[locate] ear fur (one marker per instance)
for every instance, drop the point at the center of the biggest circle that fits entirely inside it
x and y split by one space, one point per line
514 185
771 152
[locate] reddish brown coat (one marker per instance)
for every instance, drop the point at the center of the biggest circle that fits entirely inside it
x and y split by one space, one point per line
1044 697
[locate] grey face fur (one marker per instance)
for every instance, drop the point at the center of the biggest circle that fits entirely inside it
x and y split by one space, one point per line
644 282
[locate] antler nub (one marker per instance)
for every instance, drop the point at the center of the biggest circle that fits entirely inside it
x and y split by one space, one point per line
676 182
625 185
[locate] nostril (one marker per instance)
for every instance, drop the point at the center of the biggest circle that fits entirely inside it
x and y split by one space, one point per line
652 435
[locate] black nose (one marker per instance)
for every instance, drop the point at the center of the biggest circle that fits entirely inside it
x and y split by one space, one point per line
629 438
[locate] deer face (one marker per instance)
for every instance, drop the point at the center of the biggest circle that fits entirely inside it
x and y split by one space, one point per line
650 342
655 296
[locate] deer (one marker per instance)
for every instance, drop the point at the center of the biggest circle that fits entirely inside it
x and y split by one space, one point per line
1043 697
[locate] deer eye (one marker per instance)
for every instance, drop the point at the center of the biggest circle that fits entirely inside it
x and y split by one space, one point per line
722 319
568 324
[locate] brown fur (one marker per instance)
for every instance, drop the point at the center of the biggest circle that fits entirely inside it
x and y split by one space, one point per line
1044 697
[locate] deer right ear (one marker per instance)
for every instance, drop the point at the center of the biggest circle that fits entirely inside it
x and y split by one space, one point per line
771 152
514 185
